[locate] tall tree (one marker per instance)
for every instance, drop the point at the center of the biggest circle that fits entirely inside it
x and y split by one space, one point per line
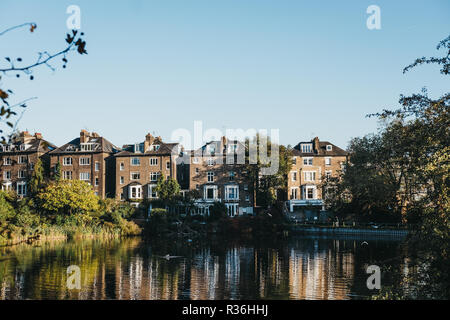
37 177
167 189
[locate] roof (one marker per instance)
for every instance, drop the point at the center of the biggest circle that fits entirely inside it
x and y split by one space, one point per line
321 151
32 144
100 145
219 147
164 149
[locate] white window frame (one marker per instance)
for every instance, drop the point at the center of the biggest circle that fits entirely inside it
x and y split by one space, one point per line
83 176
151 194
234 194
85 161
137 191
309 176
153 162
121 180
308 161
21 174
122 166
7 161
21 188
329 147
135 173
97 166
67 175
294 175
67 161
7 175
154 176
205 192
135 164
328 159
210 176
306 147
22 159
294 193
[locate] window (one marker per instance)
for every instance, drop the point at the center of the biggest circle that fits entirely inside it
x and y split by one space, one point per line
21 174
231 192
247 198
212 149
329 147
85 176
31 165
232 148
22 147
155 147
328 161
195 160
152 194
245 187
232 175
197 186
310 192
21 189
67 161
135 175
308 161
96 181
310 175
168 165
197 170
153 161
7 161
7 175
67 175
122 196
328 174
211 162
210 176
294 176
154 176
87 146
135 161
294 160
232 209
85 161
210 192
7 148
136 192
122 166
23 159
294 193
306 148
97 166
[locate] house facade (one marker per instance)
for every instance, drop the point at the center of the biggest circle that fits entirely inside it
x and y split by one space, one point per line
312 161
138 167
18 159
89 158
216 171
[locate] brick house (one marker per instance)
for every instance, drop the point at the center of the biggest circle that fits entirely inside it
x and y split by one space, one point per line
88 158
18 159
138 167
313 161
214 170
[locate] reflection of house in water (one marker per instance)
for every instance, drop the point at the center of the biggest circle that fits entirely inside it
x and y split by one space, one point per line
204 282
320 273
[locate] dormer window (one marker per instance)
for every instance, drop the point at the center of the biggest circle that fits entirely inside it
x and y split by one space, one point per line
70 148
87 146
22 147
7 148
329 147
138 148
155 147
212 149
306 147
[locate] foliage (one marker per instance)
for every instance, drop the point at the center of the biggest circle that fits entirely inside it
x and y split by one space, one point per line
69 196
265 187
57 173
217 211
37 177
6 209
167 189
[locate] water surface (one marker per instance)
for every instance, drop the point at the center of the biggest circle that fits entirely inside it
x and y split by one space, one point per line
298 268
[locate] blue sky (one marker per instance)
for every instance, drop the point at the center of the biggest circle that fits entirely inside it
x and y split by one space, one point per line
308 68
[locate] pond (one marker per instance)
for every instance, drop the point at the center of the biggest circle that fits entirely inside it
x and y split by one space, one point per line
296 268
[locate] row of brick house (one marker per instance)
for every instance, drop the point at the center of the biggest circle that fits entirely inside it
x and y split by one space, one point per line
130 173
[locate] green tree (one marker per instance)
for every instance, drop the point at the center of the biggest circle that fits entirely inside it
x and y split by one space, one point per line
37 177
168 190
57 173
69 197
265 187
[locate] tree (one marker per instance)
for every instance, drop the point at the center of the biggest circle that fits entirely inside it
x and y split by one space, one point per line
167 189
57 173
74 42
265 187
69 197
37 177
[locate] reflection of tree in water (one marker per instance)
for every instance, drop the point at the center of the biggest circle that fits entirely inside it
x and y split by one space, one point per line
214 269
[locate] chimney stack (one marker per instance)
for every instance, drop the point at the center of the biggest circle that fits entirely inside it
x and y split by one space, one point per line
224 142
316 144
38 135
84 135
148 141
